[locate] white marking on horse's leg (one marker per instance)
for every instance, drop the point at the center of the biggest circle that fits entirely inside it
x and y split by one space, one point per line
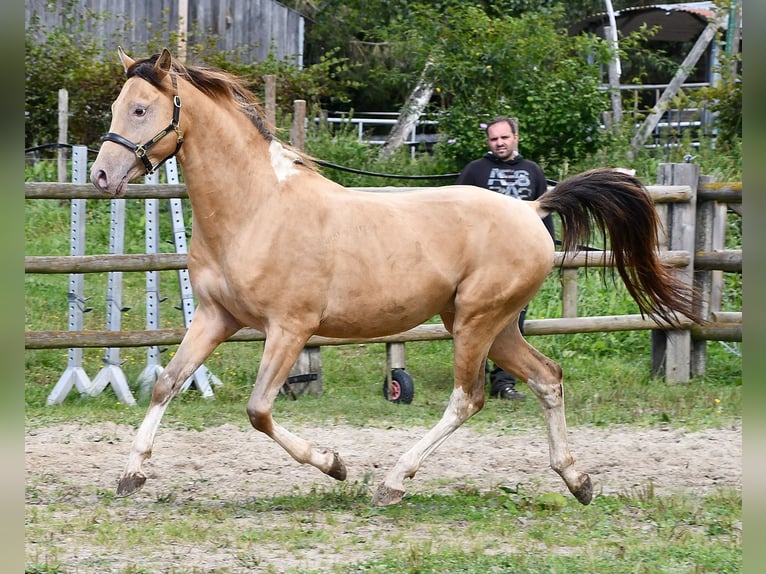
459 409
545 379
203 336
552 398
142 444
283 161
166 387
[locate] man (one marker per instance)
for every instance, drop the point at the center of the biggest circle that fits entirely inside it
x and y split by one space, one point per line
504 171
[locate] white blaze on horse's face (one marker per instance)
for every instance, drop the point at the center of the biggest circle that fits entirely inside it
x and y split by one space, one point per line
283 161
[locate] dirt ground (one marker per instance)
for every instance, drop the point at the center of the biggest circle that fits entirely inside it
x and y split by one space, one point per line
228 462
228 458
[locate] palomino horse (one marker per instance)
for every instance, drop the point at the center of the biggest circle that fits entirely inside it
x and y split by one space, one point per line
278 247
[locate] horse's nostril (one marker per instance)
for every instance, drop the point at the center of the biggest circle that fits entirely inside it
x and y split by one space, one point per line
99 179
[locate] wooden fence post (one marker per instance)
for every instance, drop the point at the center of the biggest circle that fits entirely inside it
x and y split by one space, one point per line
711 233
306 374
671 350
270 98
63 131
298 131
569 293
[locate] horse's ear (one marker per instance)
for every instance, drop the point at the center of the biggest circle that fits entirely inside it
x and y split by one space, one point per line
126 60
164 62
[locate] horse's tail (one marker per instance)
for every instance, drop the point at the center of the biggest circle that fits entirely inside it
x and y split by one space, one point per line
621 209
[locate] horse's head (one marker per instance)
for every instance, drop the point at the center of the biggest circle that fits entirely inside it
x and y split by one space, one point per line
145 124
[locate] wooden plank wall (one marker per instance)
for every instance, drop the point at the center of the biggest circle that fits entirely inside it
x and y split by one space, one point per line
252 26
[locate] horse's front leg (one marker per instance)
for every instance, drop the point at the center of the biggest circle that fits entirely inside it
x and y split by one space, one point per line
280 352
209 328
466 400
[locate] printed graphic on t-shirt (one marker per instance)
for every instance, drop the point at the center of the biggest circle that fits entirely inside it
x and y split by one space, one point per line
512 182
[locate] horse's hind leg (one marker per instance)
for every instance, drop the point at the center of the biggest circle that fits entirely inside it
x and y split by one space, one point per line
279 354
544 377
208 329
466 400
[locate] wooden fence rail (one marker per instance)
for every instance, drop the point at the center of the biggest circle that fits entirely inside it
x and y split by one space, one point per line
724 192
722 327
425 332
728 260
723 330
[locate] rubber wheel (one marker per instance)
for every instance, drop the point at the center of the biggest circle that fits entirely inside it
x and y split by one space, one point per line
402 388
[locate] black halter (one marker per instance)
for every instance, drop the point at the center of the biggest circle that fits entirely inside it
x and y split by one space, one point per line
141 150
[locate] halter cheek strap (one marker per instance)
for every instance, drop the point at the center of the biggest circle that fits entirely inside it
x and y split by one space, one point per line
141 150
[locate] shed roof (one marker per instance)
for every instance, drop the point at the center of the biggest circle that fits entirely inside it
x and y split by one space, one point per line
679 22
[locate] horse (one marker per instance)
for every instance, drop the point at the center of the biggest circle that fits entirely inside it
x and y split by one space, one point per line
278 247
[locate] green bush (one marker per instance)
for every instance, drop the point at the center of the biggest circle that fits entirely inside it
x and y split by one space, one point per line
338 144
65 61
65 57
523 67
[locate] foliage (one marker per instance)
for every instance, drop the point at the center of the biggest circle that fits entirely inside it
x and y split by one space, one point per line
511 58
523 67
64 57
338 144
724 99
66 61
349 30
366 33
323 83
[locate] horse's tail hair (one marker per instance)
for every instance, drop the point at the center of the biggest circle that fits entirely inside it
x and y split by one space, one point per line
619 206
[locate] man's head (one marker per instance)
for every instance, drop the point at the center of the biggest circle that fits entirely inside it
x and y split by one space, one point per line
502 139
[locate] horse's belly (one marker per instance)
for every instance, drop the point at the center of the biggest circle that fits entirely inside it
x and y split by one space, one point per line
381 310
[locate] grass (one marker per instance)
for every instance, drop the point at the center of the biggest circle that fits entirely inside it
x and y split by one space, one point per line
599 391
499 531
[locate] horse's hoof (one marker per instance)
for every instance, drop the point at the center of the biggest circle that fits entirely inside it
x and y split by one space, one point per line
130 484
584 492
338 469
386 496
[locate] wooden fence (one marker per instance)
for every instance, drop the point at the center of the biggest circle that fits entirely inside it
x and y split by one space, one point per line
253 27
693 209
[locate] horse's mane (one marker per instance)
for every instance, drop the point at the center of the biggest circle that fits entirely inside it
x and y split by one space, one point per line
217 84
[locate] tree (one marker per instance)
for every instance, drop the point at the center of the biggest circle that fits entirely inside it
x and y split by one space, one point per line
526 67
411 111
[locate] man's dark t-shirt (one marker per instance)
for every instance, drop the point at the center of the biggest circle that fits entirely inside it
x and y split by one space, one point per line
518 177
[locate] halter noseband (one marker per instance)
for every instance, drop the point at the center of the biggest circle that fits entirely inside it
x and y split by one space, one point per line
141 150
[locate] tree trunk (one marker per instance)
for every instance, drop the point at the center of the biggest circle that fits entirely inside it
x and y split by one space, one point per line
675 84
615 69
410 113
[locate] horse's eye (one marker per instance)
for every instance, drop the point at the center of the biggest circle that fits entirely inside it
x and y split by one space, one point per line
140 112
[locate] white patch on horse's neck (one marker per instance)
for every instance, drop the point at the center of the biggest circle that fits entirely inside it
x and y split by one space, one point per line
283 160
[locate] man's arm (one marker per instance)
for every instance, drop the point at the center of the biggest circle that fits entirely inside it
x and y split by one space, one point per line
465 177
470 175
548 222
541 187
